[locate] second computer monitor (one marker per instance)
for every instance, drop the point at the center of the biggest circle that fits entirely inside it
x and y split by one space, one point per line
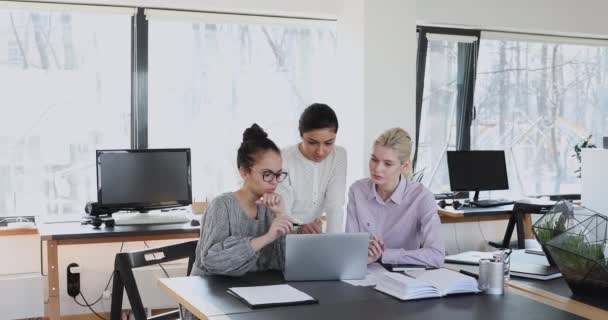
477 170
143 179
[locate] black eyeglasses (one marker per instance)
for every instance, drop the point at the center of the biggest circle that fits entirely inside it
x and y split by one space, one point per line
268 175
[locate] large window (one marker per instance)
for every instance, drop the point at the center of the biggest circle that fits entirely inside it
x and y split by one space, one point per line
65 82
446 87
211 76
536 97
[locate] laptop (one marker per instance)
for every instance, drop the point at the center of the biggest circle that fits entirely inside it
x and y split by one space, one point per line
333 256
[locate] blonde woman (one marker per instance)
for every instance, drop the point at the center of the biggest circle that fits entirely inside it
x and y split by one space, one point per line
399 214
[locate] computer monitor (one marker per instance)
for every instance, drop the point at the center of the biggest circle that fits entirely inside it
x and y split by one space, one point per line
477 171
143 179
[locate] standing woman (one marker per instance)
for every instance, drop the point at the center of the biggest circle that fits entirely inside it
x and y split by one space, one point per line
317 172
243 231
399 214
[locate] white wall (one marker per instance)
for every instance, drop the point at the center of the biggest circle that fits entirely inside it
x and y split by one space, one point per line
584 17
350 93
390 68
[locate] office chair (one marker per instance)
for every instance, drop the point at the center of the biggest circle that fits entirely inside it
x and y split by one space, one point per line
124 264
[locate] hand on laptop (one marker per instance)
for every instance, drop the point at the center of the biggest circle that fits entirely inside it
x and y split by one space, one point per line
313 227
273 201
375 249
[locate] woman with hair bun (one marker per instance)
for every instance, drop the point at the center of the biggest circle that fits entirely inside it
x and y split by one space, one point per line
243 231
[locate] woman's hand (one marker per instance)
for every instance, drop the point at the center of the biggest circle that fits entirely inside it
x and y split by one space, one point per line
313 227
274 202
375 250
281 225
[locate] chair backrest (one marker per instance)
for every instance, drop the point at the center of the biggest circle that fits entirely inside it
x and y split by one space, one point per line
124 264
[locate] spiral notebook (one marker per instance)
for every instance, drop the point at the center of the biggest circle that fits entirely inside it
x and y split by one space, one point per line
271 296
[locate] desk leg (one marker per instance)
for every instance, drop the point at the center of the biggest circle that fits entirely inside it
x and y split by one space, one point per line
519 217
53 279
506 241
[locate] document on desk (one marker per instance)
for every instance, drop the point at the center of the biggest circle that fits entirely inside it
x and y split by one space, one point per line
374 271
271 296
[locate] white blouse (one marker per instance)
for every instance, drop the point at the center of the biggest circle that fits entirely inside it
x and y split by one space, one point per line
313 188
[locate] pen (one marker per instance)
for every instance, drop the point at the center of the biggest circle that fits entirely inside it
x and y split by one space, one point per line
470 274
294 221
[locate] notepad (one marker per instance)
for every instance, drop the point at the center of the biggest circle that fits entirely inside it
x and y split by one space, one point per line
270 296
534 271
430 284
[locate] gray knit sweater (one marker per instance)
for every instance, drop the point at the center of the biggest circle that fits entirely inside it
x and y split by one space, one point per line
226 232
225 248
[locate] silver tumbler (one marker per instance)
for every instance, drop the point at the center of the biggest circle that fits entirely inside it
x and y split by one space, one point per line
491 276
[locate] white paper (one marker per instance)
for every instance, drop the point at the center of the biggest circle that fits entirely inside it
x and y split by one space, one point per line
372 276
282 293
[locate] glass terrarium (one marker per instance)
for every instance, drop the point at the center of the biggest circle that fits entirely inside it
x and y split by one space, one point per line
561 217
580 251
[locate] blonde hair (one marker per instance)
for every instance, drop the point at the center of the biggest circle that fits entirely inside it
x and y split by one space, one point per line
398 140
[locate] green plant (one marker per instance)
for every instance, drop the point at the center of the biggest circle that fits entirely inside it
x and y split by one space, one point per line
578 149
552 228
577 255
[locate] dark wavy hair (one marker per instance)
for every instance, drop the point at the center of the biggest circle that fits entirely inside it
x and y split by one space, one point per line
255 140
318 116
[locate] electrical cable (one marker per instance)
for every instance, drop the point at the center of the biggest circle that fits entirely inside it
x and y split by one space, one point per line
108 283
88 306
456 238
160 265
481 231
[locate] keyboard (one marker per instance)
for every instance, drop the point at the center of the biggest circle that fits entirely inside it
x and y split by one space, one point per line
490 203
171 217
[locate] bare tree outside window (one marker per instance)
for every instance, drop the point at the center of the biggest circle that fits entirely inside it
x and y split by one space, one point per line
438 119
536 101
208 82
65 80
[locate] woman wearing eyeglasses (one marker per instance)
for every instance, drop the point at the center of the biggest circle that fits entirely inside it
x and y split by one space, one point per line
317 172
399 214
243 231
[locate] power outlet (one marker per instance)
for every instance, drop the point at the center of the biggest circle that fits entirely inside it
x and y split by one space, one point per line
73 279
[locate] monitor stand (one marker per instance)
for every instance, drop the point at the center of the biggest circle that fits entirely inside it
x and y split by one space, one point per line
488 203
476 196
